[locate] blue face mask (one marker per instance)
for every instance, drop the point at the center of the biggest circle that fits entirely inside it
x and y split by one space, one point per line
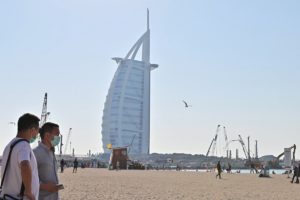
55 141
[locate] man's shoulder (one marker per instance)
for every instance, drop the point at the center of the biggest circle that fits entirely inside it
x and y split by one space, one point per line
39 152
18 145
37 149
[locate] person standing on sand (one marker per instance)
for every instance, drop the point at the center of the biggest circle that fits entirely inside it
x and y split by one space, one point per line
46 161
296 174
62 164
219 170
75 165
229 168
19 172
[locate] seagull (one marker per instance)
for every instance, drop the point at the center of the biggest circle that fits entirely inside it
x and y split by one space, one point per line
12 123
186 105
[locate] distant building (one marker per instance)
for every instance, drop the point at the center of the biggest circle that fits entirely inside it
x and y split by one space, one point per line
126 114
287 160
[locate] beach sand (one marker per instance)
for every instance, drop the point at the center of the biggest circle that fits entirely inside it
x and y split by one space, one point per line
145 185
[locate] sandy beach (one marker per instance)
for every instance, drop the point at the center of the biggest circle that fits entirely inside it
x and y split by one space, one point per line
116 185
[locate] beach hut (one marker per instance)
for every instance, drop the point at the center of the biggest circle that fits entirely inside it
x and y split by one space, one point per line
118 158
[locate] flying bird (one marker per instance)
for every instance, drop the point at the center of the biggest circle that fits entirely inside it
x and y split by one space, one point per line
12 123
186 105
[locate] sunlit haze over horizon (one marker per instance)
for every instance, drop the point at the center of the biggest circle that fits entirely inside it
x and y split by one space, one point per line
235 62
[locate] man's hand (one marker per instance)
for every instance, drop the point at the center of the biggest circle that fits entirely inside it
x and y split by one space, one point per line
29 195
49 187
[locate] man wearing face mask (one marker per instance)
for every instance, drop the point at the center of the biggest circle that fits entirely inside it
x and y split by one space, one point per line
19 171
46 161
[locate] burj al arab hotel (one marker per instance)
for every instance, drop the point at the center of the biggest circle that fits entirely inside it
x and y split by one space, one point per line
126 114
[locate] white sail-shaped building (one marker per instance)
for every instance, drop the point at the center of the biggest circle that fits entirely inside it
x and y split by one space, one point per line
126 114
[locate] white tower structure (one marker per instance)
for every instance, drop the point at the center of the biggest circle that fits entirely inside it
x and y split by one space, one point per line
126 114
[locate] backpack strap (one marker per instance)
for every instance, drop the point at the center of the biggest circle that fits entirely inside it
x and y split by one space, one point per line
23 186
8 160
22 190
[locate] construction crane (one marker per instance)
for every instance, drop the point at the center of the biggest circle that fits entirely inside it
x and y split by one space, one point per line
212 145
226 141
45 114
67 141
290 148
241 141
247 155
250 162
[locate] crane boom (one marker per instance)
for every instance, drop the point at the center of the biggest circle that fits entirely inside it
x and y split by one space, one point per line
67 141
45 114
243 146
210 146
213 142
226 139
213 149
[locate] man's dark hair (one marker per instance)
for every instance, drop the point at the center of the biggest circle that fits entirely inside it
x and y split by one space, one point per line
28 121
47 127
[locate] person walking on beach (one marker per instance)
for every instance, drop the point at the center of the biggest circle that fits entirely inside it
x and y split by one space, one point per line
62 164
219 170
296 174
19 168
46 161
75 163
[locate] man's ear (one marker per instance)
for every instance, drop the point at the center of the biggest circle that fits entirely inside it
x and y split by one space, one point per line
32 130
46 135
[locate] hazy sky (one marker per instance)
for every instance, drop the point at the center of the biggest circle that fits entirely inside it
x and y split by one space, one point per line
235 62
